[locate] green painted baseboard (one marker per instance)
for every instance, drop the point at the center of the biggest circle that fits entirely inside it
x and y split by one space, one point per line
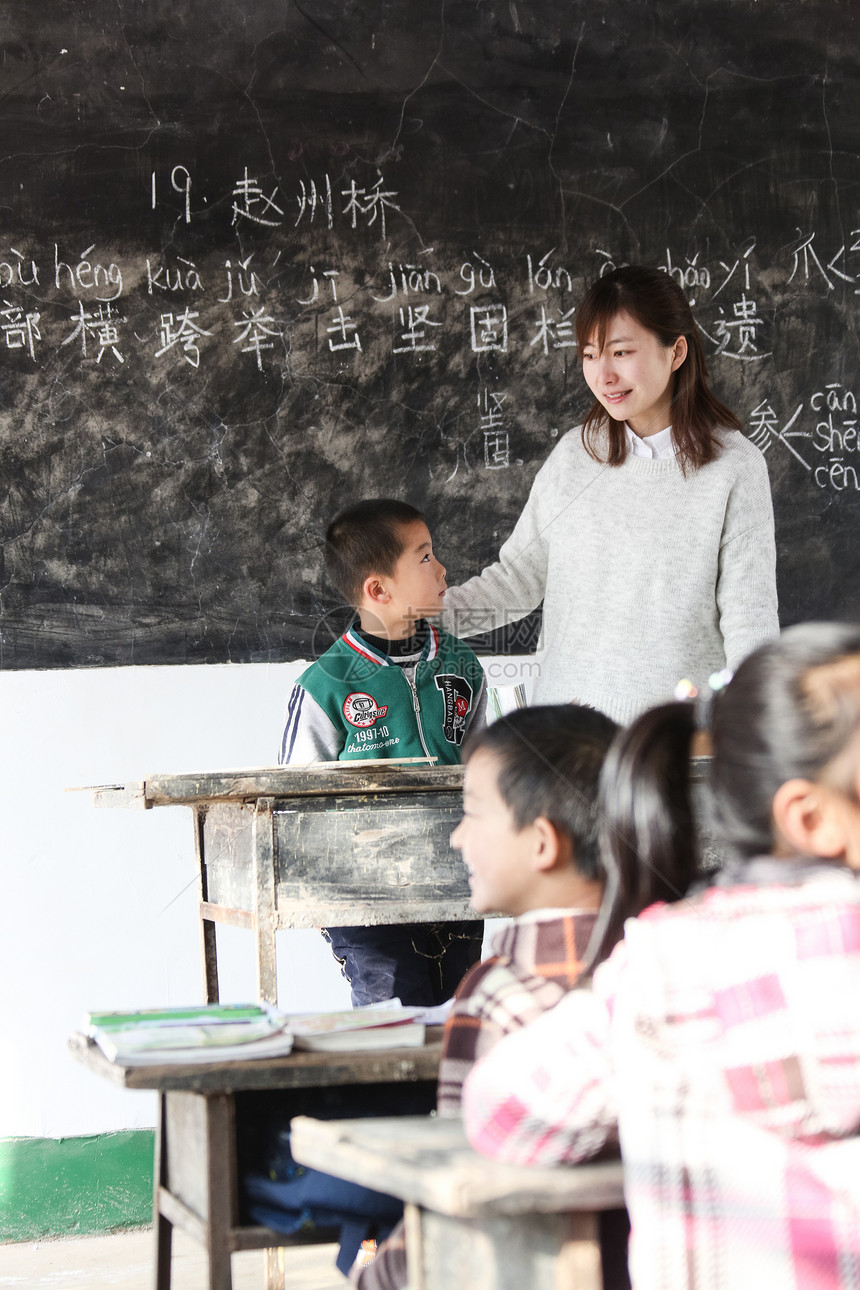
66 1186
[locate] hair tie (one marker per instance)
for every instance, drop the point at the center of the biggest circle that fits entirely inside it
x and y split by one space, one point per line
686 692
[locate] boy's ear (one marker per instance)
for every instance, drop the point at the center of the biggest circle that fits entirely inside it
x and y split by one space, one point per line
547 844
373 590
805 817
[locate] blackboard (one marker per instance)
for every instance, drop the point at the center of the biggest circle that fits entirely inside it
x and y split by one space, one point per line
260 260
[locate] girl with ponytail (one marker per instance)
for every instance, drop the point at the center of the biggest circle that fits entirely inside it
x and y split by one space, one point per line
719 1042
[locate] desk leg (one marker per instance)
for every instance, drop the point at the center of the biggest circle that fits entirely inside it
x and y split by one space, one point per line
222 1199
208 944
209 958
163 1228
540 1251
275 1269
579 1258
415 1260
197 1174
264 899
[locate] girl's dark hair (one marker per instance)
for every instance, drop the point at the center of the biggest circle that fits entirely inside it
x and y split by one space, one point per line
653 299
648 836
548 761
791 711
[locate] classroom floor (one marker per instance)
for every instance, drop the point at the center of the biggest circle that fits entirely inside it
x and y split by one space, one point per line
125 1259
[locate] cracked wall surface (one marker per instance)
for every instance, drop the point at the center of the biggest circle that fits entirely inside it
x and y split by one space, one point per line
259 261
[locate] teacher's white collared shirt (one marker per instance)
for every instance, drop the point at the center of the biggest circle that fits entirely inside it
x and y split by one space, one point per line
655 446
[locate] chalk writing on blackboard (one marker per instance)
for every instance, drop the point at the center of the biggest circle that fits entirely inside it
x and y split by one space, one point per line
181 329
342 332
489 328
807 263
253 266
691 276
413 321
311 199
182 276
265 207
765 430
737 336
251 203
831 451
246 281
835 438
518 306
255 327
555 333
104 281
97 329
542 276
330 276
410 279
180 182
20 329
497 455
12 271
477 275
371 203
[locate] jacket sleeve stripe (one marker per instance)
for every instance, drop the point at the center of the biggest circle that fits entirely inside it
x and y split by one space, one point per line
294 711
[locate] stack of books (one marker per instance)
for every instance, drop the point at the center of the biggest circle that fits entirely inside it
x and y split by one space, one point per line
219 1032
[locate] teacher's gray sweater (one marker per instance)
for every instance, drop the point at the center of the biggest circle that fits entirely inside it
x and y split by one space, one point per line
647 577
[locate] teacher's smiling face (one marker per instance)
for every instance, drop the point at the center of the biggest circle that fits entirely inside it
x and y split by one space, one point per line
632 376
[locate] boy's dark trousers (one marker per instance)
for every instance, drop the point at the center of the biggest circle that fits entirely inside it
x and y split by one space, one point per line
421 964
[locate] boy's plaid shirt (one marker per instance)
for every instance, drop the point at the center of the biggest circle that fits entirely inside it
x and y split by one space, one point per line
535 962
721 1040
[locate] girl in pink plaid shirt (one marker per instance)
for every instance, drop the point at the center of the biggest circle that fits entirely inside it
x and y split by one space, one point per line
720 1041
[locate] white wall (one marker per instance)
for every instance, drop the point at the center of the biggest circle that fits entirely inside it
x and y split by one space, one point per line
99 905
98 908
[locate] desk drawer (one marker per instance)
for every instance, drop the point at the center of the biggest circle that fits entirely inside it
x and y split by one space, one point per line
381 859
367 859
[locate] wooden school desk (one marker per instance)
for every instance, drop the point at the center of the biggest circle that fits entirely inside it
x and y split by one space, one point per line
345 843
471 1221
196 1157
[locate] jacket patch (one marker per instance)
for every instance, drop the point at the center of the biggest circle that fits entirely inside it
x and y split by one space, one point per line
457 696
362 709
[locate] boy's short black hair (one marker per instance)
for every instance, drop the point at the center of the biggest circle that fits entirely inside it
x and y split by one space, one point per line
363 539
549 761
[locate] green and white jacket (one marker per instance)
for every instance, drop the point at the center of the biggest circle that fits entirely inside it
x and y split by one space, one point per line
357 702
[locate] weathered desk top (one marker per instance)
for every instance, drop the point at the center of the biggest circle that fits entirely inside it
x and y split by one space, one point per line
428 1162
324 779
297 1070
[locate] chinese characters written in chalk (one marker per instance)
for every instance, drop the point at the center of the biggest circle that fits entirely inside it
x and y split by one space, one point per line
421 308
256 202
418 310
819 432
497 453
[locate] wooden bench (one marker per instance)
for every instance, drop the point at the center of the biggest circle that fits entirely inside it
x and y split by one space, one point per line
471 1222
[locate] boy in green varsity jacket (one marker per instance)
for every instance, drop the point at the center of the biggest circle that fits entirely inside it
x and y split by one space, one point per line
394 685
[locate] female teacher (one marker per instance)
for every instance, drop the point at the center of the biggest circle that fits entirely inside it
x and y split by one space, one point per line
648 533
